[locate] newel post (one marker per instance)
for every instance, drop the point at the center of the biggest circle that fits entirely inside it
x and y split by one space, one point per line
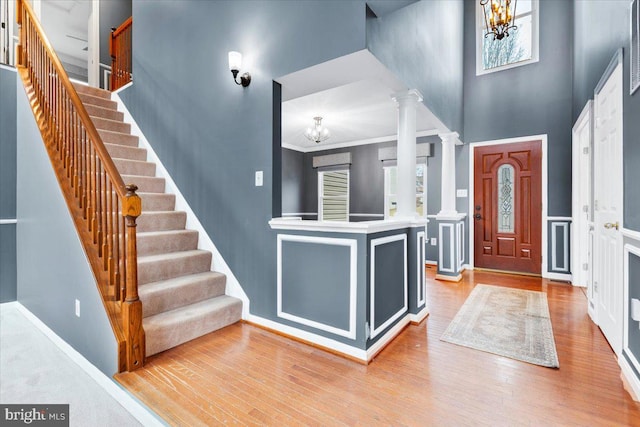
132 307
20 60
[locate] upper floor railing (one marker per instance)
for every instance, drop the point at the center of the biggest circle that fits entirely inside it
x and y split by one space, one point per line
120 51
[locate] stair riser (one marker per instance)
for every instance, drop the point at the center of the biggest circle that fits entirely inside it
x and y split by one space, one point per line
100 102
129 167
110 125
191 293
93 91
118 138
160 339
161 222
170 268
126 152
104 113
153 245
158 202
145 184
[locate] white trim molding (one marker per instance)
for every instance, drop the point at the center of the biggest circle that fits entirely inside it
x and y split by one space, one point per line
420 316
452 257
632 234
143 414
460 245
421 284
352 244
372 283
545 190
8 221
554 256
193 223
628 375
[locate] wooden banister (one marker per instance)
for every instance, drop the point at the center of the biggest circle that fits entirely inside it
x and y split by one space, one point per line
120 51
104 210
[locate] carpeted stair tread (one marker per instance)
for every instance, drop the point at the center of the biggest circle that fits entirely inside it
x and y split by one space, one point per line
166 295
161 221
111 125
118 138
96 100
147 184
90 90
162 242
172 328
125 152
152 268
157 201
104 113
135 167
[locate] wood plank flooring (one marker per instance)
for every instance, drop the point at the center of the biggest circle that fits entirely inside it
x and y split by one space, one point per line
243 375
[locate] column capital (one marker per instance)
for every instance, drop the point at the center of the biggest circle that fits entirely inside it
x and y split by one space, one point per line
450 137
409 95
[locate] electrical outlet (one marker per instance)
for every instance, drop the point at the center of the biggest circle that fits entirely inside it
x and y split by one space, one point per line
258 178
78 308
434 242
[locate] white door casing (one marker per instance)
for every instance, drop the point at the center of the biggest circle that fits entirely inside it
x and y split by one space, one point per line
608 212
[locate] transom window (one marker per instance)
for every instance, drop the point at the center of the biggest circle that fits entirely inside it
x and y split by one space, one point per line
390 190
519 48
333 195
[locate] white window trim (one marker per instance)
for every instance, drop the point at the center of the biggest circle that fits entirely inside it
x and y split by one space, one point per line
321 190
387 195
535 40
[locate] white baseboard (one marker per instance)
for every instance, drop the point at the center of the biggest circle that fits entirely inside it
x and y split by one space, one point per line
133 406
557 276
631 380
387 338
331 344
204 241
430 262
420 316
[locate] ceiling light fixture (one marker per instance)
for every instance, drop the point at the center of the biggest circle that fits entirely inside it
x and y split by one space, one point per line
499 17
235 62
318 133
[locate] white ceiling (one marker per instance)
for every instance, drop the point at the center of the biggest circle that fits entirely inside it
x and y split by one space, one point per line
66 24
353 95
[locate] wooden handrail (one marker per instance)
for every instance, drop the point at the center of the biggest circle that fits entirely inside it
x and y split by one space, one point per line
120 51
104 210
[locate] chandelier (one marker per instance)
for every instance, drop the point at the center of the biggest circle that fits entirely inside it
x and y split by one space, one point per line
499 17
318 133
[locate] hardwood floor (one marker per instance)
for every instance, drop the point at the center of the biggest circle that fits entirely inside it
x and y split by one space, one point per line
247 376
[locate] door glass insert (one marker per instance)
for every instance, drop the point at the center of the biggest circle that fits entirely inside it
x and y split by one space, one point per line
505 199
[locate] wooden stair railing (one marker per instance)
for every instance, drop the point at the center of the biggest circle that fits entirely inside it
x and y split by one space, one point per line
120 51
104 210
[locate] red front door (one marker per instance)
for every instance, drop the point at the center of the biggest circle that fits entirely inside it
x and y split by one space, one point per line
507 210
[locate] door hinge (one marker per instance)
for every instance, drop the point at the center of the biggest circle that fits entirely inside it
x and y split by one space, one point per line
585 266
585 208
585 150
595 205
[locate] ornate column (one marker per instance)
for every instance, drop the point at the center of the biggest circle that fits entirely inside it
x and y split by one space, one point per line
406 186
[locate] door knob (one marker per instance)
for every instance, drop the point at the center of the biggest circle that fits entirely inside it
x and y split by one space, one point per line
477 216
609 225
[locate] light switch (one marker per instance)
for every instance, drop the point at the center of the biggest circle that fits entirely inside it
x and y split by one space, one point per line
433 241
462 192
258 178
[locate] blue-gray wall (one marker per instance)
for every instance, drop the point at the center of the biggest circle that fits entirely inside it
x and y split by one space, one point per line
601 28
8 80
422 45
52 267
211 134
537 100
292 181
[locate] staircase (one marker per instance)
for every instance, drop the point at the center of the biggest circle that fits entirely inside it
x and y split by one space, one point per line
182 298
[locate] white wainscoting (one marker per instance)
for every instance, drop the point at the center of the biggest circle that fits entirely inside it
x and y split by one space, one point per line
452 257
421 285
564 229
353 282
375 243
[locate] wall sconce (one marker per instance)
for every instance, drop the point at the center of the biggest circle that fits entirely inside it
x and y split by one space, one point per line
235 62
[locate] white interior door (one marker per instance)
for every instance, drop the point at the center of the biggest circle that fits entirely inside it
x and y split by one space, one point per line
608 208
581 260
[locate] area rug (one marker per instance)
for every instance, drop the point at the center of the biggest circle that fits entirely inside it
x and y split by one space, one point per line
508 322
